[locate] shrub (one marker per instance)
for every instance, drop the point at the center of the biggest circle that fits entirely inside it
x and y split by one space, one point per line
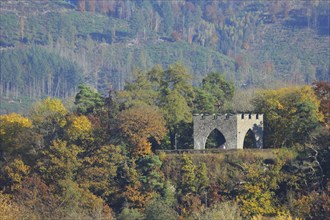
222 211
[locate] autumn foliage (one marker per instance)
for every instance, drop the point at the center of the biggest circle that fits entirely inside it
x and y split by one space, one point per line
99 160
291 113
140 124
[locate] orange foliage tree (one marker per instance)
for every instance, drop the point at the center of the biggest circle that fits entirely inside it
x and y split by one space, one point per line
139 124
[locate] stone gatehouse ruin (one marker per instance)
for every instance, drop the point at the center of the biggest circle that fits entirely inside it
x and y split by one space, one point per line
233 127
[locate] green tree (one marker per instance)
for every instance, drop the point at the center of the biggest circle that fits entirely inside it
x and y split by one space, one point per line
158 210
222 211
137 22
59 162
130 214
204 101
169 194
143 90
170 90
79 202
188 176
88 100
166 13
291 115
216 94
151 177
176 98
49 119
202 178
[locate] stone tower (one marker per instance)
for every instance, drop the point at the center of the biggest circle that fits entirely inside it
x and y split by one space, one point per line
233 127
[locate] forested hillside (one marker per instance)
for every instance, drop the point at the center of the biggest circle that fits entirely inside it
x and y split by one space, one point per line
104 158
106 92
49 47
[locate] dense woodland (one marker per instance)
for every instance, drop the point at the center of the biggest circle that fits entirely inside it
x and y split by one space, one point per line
255 43
98 159
92 93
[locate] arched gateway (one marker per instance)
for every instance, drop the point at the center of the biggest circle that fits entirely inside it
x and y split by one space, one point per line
233 128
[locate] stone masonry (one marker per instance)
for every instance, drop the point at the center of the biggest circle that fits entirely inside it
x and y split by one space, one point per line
233 127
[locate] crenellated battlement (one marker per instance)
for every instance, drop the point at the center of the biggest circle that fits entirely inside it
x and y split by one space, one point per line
232 126
247 116
212 116
241 116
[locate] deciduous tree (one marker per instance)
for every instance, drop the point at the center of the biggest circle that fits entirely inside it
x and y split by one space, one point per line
14 174
170 90
48 118
291 115
188 176
322 90
78 127
99 170
257 193
59 162
12 126
139 124
219 91
176 98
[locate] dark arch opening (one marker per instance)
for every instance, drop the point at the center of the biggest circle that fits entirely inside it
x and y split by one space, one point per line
249 140
215 140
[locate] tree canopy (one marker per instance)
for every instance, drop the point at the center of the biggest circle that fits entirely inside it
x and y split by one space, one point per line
101 160
88 100
292 114
215 94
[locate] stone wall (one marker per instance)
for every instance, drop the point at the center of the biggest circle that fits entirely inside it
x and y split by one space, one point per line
245 122
233 128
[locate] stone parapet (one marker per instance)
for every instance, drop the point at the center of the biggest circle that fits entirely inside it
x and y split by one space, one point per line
233 127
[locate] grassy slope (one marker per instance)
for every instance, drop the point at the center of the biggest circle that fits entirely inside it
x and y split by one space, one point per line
224 166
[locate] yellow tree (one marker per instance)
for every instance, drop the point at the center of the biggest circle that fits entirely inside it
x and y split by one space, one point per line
99 170
11 127
78 127
322 90
9 209
48 117
48 108
14 174
291 114
139 124
59 162
257 193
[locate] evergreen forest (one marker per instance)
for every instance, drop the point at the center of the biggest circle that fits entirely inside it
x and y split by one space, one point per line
50 47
